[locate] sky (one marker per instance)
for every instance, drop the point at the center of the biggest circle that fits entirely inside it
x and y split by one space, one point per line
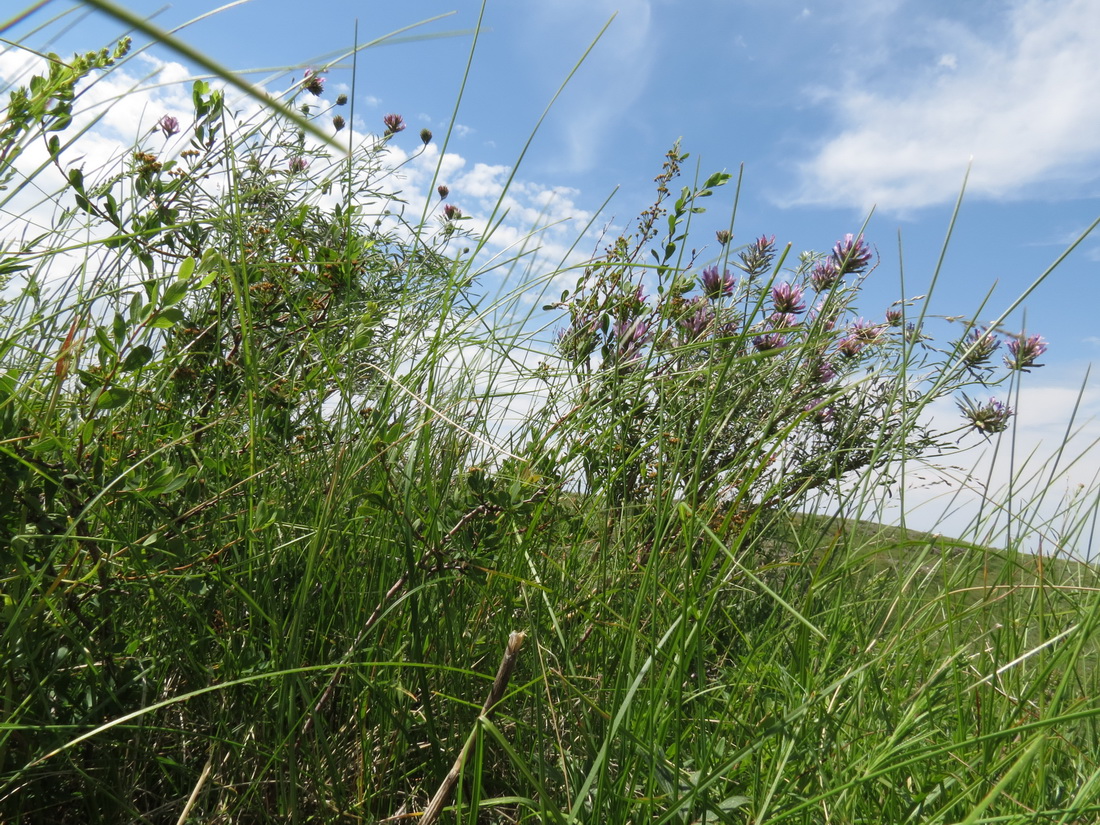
835 111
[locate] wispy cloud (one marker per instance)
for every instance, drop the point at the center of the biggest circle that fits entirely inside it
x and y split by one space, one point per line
1019 98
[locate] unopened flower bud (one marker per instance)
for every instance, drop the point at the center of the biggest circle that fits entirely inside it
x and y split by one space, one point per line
338 123
425 136
443 191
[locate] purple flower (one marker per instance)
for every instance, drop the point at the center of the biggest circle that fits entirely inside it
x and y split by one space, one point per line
979 345
851 255
770 341
866 331
782 320
990 417
757 257
699 317
313 82
1024 351
723 236
451 212
823 372
787 298
394 124
630 336
443 191
169 125
715 285
894 317
850 346
822 415
338 122
824 275
298 164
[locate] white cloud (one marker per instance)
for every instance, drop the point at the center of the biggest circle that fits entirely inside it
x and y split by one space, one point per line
1021 102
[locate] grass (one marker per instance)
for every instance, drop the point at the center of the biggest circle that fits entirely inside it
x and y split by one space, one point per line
269 540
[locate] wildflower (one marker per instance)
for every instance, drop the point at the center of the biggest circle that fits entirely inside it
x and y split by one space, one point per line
980 344
298 164
630 336
341 100
894 317
769 341
850 346
394 124
865 331
757 257
1024 351
451 212
699 317
782 320
169 125
822 415
788 299
824 275
990 417
443 191
338 122
425 136
313 83
823 372
715 285
852 255
723 236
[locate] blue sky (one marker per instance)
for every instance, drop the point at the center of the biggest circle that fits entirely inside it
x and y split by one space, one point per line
833 108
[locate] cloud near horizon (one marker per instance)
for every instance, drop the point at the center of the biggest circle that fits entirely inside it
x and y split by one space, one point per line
1020 99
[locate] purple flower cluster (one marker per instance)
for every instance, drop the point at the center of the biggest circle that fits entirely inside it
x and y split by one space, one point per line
989 418
698 319
313 83
757 257
169 125
851 255
715 285
630 336
980 345
1023 351
788 299
298 164
394 124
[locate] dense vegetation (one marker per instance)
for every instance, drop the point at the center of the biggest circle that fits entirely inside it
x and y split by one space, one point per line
268 528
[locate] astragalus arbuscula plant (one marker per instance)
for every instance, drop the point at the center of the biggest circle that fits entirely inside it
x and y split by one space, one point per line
750 379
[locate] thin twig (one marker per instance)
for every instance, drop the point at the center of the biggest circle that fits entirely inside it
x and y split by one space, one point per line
500 683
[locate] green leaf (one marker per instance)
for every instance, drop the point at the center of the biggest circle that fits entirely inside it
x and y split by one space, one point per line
186 268
175 292
138 357
119 328
76 179
112 398
167 318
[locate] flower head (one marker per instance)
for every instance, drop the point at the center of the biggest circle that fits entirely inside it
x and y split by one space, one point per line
769 341
630 336
757 257
990 417
851 255
715 285
338 122
980 344
169 125
298 164
341 100
425 136
394 124
824 275
782 320
894 317
1024 351
313 82
723 236
823 372
443 191
699 316
451 212
787 298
